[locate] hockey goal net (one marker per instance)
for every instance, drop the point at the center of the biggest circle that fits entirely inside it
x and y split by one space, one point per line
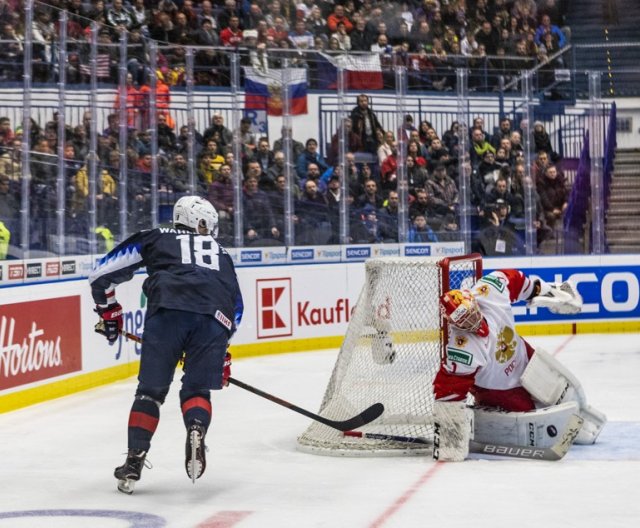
390 354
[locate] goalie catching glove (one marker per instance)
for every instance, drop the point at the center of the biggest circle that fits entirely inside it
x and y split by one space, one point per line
558 298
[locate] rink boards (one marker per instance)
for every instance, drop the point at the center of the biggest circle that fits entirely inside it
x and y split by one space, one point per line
48 347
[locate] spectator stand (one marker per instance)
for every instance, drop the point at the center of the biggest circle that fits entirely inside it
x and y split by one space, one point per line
189 85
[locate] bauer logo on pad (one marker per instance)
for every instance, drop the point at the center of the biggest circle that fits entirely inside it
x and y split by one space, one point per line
274 308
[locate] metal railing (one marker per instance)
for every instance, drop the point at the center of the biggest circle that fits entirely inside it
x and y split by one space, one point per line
121 178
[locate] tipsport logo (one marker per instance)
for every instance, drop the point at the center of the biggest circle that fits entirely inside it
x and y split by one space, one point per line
274 308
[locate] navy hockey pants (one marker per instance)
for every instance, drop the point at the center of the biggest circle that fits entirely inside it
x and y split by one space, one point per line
167 333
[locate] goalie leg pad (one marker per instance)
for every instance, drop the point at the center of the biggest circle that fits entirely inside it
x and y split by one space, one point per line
551 383
541 428
453 430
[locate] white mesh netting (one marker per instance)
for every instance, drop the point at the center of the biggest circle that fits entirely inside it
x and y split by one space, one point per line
390 354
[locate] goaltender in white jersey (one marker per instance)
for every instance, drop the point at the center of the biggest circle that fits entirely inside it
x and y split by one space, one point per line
485 357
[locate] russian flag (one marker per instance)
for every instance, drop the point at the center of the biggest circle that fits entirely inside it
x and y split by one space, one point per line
363 72
263 90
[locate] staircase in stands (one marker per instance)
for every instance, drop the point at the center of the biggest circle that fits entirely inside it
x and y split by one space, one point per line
623 214
606 22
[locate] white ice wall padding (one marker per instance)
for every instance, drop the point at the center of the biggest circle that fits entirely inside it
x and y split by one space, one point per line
390 354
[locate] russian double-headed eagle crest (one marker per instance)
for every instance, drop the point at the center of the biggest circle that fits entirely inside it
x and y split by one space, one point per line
506 345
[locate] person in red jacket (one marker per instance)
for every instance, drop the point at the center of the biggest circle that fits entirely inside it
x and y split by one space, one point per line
338 16
232 35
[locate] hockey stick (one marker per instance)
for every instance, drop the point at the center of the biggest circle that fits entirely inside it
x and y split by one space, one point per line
392 438
553 453
366 416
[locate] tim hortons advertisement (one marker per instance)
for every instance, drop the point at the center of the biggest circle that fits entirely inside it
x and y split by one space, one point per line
39 340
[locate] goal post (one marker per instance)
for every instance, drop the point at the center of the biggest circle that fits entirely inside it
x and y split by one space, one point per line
391 353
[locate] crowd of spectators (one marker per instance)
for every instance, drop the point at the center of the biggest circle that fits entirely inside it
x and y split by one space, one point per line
495 157
495 39
495 161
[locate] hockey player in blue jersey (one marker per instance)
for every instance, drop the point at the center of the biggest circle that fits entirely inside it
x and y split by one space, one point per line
194 306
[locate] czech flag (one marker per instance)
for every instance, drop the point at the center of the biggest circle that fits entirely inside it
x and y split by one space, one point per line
362 72
264 90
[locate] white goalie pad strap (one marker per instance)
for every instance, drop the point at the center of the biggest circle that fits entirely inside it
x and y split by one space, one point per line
453 430
560 298
542 428
551 383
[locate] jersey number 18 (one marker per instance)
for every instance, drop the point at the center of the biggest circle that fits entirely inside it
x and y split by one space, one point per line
204 252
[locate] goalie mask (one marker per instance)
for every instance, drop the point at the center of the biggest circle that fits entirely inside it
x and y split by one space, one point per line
461 310
195 212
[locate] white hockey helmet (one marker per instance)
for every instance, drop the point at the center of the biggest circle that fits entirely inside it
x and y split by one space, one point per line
194 212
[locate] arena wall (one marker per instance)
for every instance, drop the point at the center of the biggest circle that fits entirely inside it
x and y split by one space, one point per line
48 347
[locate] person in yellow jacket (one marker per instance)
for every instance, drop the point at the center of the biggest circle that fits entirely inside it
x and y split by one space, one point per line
105 239
107 185
5 237
106 197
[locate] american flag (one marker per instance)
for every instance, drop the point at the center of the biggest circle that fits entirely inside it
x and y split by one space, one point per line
102 66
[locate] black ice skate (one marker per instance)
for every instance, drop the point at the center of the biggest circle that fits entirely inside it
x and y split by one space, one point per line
129 472
195 460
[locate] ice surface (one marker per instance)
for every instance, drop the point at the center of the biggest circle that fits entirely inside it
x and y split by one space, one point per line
57 460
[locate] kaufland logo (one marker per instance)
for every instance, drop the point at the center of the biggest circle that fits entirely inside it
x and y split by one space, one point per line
356 252
302 254
274 307
417 251
251 256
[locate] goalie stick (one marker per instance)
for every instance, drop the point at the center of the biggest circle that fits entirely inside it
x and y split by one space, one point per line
554 453
365 417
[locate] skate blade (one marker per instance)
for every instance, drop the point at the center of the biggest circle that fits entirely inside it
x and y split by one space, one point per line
126 486
194 467
194 470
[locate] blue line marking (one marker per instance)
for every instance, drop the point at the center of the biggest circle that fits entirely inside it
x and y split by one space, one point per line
136 519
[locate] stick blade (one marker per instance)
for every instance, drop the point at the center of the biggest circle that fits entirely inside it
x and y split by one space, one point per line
365 417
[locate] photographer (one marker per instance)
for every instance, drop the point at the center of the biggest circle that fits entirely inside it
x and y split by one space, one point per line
498 236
